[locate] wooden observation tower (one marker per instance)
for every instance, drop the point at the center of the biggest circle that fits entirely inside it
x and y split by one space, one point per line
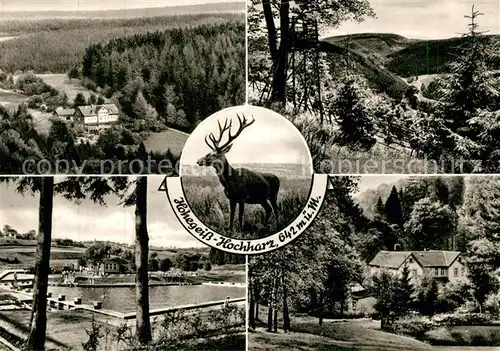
303 76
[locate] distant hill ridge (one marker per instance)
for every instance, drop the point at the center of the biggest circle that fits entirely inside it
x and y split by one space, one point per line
220 7
279 169
383 58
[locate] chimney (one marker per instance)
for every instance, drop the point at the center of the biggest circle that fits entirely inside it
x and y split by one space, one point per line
397 247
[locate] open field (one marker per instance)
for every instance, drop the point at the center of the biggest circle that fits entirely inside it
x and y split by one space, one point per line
208 201
41 120
61 82
26 254
169 139
10 98
356 335
361 334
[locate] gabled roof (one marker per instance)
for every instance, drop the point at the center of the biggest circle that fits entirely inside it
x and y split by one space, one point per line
389 259
65 111
86 110
92 110
111 108
430 258
435 258
117 259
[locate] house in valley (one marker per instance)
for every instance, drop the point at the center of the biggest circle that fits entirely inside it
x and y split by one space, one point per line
89 118
93 118
114 265
438 264
66 114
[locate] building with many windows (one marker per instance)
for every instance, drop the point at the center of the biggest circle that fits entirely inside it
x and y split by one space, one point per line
90 118
442 265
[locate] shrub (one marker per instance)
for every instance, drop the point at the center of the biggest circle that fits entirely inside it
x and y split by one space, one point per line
440 336
492 304
463 319
30 84
476 336
317 135
179 326
416 326
94 334
35 101
453 295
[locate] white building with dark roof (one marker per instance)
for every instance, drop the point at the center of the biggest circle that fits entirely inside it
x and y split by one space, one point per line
95 117
443 265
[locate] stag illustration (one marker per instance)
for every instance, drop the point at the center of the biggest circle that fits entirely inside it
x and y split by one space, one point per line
241 185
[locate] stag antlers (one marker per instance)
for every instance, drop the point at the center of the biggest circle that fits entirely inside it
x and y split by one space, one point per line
215 146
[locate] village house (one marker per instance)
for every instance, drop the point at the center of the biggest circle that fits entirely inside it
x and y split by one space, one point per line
93 118
90 118
442 265
66 114
114 265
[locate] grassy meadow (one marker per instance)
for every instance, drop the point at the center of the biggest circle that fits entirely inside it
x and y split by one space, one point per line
24 254
168 139
206 197
10 98
61 82
306 334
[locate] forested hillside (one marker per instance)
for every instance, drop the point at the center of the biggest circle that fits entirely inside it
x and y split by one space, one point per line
185 74
56 45
408 57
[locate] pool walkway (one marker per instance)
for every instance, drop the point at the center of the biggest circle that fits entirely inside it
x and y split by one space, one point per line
61 303
239 285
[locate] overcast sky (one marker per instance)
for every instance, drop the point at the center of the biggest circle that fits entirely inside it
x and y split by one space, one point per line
270 139
431 19
91 5
90 221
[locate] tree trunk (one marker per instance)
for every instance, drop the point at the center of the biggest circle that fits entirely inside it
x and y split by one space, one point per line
270 317
271 29
278 93
143 326
257 299
286 315
251 305
275 303
320 310
38 323
256 309
275 320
